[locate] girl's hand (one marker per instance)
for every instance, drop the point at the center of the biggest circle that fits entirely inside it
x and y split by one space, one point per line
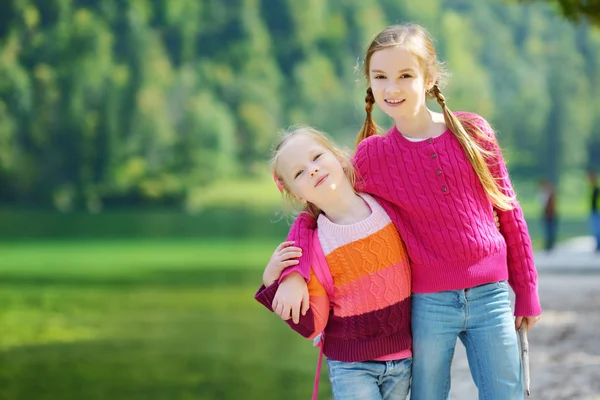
291 298
496 219
284 256
531 321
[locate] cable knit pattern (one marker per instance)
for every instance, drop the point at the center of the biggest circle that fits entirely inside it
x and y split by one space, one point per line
437 203
370 317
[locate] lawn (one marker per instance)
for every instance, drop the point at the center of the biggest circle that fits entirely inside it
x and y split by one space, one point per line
144 319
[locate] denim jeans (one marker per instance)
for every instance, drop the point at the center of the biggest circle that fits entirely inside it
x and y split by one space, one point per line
549 233
482 318
595 226
370 380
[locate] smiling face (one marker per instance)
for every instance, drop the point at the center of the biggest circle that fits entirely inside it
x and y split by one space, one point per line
310 171
398 82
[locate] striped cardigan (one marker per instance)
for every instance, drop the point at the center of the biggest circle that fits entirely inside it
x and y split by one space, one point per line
368 315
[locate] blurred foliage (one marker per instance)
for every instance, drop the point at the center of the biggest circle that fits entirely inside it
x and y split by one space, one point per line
576 10
153 102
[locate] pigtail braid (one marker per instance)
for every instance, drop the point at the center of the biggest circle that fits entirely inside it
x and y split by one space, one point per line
369 128
476 154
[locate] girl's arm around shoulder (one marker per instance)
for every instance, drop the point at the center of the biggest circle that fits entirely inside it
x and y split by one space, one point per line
301 234
315 320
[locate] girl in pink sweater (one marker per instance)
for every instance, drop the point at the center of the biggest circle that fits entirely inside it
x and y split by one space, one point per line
441 175
359 287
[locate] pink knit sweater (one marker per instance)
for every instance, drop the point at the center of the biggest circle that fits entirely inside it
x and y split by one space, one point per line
436 201
365 313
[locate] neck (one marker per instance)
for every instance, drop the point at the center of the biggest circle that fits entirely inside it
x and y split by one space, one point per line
424 124
346 207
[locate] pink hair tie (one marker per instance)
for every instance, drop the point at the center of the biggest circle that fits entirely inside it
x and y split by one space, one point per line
278 182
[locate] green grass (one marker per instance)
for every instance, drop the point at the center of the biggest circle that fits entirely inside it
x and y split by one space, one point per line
139 255
144 319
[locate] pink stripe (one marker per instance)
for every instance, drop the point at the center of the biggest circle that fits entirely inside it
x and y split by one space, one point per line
396 356
373 292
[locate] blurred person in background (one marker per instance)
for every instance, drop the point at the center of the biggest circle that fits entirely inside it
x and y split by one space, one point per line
595 212
548 202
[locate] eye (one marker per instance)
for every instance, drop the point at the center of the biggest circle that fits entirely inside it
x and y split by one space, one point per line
317 156
379 77
298 173
405 76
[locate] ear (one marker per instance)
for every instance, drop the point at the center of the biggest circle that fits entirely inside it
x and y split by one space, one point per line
430 81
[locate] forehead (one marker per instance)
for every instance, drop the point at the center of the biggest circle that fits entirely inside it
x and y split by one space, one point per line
296 148
298 144
394 59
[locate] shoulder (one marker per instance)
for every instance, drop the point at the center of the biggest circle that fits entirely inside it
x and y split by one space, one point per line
475 122
372 144
365 151
369 144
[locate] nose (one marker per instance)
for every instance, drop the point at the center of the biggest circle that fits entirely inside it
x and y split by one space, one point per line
392 88
314 171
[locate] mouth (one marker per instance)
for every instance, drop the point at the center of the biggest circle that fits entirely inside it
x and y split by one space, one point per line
321 180
394 102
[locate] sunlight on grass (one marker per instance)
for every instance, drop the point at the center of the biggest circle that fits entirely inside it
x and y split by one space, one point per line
122 257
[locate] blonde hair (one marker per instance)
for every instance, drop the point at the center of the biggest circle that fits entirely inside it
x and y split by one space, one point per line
418 41
292 204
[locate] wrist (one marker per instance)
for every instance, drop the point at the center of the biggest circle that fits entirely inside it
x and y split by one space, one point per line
293 275
268 282
269 278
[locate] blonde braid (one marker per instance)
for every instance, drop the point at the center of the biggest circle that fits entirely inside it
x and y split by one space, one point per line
476 154
369 128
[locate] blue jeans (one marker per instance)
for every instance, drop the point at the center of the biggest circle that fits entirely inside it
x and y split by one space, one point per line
370 380
550 233
482 318
595 226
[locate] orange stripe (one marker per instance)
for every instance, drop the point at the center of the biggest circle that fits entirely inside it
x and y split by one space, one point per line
315 288
319 304
320 308
374 292
366 256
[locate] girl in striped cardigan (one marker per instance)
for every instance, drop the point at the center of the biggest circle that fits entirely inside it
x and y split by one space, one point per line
360 297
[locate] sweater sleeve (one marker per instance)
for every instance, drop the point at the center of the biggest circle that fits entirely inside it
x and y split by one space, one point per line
301 233
522 274
315 320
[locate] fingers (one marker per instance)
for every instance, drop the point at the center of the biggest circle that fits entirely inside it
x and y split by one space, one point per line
528 321
285 313
296 313
289 263
285 244
531 321
290 252
518 322
289 256
496 219
281 309
305 302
